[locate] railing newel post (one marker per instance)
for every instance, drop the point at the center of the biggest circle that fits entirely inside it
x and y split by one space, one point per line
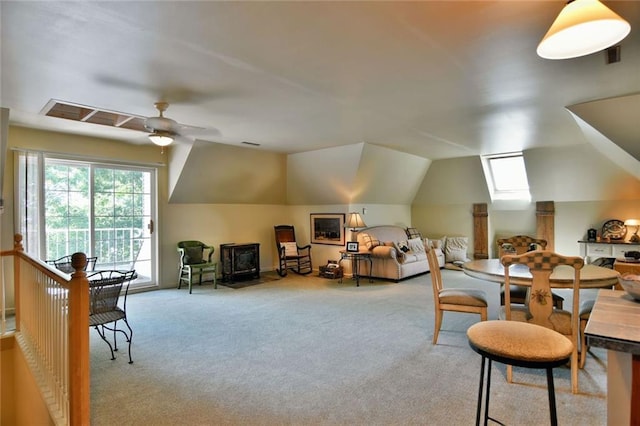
79 365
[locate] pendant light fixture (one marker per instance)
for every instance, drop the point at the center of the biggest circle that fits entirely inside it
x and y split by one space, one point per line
582 27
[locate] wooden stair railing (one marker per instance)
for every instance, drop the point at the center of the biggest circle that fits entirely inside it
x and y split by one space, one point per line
51 310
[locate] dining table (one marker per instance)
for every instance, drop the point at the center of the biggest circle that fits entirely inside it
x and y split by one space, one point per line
591 276
614 324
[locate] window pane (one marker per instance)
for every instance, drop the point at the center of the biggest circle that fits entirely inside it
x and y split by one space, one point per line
509 174
66 208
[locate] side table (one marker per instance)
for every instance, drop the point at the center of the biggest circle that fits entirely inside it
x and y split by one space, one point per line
355 258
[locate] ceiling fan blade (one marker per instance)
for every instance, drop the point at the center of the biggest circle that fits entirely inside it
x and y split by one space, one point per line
170 92
200 132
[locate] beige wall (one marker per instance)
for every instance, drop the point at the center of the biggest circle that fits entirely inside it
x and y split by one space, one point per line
354 177
20 401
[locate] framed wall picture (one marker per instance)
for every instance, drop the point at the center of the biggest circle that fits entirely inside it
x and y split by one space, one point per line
353 247
327 228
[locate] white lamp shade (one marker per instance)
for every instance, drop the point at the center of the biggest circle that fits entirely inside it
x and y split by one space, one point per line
632 222
161 138
355 221
582 27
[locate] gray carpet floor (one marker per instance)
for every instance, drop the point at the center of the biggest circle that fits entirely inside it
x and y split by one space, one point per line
313 351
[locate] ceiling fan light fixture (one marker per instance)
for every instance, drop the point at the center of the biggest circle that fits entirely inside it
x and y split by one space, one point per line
582 27
161 138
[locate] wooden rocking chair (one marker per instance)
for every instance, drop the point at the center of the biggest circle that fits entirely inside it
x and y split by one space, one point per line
291 256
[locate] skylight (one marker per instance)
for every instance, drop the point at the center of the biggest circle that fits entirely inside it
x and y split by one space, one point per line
506 176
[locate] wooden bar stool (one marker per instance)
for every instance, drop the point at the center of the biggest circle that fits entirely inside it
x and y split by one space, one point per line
522 345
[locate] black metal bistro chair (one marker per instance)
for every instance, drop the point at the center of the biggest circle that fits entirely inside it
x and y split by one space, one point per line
106 289
64 264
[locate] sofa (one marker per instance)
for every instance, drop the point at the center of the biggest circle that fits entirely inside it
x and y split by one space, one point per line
396 254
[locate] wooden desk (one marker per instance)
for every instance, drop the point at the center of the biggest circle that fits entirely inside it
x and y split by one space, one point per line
614 324
591 276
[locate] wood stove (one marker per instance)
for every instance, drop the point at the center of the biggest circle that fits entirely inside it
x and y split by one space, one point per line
240 261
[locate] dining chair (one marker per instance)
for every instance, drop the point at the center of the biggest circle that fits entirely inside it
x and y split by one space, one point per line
519 244
196 261
452 299
106 289
539 308
586 306
291 256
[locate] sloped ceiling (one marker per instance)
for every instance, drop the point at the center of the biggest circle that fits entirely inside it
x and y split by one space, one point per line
437 79
616 118
223 174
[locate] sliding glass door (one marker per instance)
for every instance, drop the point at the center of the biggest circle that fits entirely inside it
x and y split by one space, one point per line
103 210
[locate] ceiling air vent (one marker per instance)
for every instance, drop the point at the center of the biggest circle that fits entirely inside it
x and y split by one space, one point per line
87 114
613 54
250 143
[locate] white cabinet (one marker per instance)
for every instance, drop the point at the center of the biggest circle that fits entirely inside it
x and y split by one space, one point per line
592 250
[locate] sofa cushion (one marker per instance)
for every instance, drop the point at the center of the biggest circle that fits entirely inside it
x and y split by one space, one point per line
370 241
411 257
416 245
456 249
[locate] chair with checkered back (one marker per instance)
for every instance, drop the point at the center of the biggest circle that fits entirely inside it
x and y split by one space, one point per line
520 244
536 335
539 308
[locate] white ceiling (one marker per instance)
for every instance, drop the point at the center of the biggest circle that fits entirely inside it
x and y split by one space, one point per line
435 79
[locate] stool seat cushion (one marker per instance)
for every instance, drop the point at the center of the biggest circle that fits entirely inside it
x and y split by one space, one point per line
519 341
463 296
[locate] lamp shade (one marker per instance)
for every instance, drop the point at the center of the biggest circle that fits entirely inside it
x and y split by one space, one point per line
632 222
355 221
161 138
582 27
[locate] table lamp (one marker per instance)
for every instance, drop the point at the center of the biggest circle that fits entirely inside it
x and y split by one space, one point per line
355 221
633 222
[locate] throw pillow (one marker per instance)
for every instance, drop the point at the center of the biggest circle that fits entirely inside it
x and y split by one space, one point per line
402 246
456 249
369 241
415 245
413 233
192 255
433 243
290 248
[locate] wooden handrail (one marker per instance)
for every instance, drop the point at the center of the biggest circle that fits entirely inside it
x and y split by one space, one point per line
77 324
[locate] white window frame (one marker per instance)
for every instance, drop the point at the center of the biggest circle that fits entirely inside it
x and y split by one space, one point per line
500 184
37 248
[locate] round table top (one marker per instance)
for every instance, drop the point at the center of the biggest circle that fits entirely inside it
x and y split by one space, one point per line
591 276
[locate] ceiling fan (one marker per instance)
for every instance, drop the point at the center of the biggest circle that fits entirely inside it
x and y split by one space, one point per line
164 130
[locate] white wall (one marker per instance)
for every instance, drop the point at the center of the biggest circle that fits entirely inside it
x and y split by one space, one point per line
586 188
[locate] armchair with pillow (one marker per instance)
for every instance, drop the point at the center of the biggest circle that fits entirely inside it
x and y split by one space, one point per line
396 253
